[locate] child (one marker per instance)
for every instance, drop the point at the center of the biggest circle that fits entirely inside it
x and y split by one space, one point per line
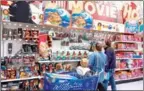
83 70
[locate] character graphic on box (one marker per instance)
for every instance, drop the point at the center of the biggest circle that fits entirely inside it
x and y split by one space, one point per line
80 21
79 55
59 68
31 85
5 15
50 68
43 49
27 35
68 55
41 17
26 85
12 74
74 55
3 75
41 84
54 18
22 73
99 26
36 70
85 54
35 85
68 67
35 35
43 68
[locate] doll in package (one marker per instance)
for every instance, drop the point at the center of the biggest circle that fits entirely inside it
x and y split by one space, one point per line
43 46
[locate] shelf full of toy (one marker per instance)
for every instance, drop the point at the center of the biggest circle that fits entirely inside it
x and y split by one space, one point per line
129 56
66 46
22 63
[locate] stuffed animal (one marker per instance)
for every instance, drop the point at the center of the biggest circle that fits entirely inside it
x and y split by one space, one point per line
83 68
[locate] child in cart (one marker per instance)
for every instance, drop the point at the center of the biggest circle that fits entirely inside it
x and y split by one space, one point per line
83 70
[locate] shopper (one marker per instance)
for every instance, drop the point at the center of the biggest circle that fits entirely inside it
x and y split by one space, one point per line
97 62
110 66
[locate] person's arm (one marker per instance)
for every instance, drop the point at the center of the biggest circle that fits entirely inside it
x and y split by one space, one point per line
91 61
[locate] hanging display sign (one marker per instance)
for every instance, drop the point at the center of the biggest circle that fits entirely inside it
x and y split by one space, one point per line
56 16
109 11
132 26
108 26
130 11
37 12
82 20
98 10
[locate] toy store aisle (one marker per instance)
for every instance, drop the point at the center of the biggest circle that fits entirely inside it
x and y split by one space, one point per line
137 85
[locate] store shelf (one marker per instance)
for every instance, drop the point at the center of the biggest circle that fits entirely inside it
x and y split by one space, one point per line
127 42
128 58
59 61
127 50
21 79
129 79
126 33
128 69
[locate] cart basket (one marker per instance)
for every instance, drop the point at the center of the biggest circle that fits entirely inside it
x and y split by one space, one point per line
53 84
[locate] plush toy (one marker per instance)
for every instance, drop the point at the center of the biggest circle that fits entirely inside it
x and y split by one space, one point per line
83 68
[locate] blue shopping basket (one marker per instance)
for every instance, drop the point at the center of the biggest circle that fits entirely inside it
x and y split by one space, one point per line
89 83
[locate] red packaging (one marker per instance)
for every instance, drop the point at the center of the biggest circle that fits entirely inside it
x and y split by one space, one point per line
35 34
27 35
11 74
43 46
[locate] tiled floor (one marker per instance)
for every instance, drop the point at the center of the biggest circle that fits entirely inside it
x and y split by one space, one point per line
137 85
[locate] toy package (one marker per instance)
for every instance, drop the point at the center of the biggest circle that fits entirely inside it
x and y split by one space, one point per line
5 13
11 74
43 46
35 34
20 33
27 35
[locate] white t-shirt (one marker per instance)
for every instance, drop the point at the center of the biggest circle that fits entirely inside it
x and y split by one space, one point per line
81 70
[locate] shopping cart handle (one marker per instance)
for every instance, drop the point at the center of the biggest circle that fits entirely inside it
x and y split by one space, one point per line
98 73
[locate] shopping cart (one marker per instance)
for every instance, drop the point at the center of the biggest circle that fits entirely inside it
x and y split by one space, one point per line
89 83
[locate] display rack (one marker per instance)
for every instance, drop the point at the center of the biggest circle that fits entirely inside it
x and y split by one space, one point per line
129 69
13 25
129 80
132 59
59 61
21 79
127 42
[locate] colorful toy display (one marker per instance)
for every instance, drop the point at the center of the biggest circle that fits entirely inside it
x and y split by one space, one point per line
127 55
122 37
125 75
70 55
126 46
